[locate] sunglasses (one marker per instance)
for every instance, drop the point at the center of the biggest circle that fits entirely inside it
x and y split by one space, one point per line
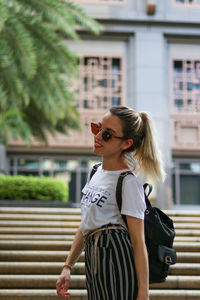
106 134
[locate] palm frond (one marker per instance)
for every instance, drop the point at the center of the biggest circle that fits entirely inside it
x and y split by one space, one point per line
36 66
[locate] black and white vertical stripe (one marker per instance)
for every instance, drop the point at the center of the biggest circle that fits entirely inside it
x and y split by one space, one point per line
115 278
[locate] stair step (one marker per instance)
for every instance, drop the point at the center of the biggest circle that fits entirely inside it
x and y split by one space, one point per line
186 247
43 256
38 268
187 232
54 224
69 217
182 219
72 217
40 210
37 237
178 282
50 294
174 294
35 245
187 226
75 224
41 217
39 294
70 231
40 255
187 257
39 281
79 268
77 211
78 281
186 239
51 237
182 213
185 213
66 245
186 219
45 231
185 269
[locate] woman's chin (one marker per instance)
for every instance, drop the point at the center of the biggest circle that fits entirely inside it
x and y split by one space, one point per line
97 150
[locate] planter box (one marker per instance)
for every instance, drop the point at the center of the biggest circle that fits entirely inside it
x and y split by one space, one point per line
37 203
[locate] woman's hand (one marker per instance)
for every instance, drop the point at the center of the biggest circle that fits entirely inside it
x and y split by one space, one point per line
62 284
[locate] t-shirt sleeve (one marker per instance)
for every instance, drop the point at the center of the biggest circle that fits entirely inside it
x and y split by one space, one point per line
133 201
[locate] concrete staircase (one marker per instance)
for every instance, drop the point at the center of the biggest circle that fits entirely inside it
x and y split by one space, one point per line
34 243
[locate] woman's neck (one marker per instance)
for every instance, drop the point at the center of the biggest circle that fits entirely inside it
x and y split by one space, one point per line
113 164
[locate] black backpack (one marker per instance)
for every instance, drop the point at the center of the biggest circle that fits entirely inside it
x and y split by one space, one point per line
159 233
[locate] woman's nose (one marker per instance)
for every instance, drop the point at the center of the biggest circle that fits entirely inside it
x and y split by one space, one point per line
99 135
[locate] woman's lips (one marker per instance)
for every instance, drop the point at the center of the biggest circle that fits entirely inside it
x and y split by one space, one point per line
97 145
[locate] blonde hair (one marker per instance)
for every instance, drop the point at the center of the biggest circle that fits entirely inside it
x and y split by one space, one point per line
144 151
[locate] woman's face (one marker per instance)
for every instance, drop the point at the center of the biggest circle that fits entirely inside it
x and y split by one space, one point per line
109 140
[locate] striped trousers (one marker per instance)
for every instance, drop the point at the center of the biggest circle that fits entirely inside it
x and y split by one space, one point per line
115 278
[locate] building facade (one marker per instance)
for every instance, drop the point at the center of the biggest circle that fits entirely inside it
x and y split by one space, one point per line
148 58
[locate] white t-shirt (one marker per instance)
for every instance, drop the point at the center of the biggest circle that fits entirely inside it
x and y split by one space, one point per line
99 204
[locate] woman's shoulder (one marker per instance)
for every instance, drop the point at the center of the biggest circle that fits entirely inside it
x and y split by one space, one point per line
133 181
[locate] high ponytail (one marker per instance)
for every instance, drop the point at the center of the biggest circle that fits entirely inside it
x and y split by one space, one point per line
144 154
148 155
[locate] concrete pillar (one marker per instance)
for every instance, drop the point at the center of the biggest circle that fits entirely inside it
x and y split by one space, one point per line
151 95
3 160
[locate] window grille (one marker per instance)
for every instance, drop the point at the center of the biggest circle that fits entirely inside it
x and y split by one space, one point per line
186 86
100 82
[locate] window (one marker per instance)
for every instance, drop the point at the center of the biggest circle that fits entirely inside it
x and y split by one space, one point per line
187 3
186 178
100 83
102 1
186 85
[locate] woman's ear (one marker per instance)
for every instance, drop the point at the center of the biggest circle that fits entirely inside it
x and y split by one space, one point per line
127 144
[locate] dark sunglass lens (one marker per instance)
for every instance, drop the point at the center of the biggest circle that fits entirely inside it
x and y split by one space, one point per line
95 128
106 136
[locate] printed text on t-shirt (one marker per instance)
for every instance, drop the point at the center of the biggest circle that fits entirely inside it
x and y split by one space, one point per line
97 196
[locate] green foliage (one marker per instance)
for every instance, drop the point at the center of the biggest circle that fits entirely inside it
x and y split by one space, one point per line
11 125
32 188
33 59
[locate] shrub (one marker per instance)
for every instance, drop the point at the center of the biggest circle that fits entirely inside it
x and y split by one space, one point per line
32 188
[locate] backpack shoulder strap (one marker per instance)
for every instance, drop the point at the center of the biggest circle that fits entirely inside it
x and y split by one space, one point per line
146 195
119 188
94 169
119 191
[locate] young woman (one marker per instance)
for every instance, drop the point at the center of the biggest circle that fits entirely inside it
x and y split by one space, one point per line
115 254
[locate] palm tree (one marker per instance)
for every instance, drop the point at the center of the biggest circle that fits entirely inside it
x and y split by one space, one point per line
12 125
36 67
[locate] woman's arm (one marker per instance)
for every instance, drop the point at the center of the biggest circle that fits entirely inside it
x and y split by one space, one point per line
62 283
136 232
76 249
